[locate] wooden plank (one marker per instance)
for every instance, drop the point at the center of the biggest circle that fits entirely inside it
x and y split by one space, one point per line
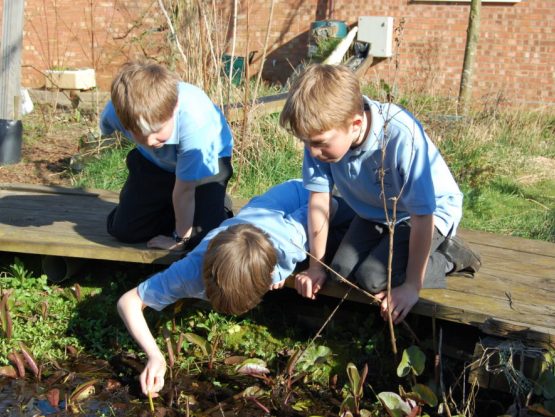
515 243
60 221
450 306
511 296
263 105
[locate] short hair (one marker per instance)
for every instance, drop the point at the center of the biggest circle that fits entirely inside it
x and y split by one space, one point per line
322 98
144 96
237 270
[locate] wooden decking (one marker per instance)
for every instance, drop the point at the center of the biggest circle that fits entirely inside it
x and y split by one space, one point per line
513 295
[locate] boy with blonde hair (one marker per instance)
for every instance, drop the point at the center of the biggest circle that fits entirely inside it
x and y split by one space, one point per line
232 267
178 172
376 155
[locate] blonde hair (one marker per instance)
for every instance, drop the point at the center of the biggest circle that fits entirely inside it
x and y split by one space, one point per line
237 269
144 95
322 98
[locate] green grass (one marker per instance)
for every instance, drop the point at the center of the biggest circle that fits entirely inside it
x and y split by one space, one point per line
503 160
270 156
107 170
508 208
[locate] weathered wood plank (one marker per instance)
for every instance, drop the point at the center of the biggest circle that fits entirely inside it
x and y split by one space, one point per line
515 243
511 296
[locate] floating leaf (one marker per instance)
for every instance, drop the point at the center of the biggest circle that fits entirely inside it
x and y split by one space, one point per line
413 359
17 360
425 394
8 371
83 391
234 360
30 360
199 341
253 366
253 391
394 404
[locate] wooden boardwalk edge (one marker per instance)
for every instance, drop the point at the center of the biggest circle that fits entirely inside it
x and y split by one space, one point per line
513 295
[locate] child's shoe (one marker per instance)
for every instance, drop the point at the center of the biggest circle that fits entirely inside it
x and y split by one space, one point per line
460 255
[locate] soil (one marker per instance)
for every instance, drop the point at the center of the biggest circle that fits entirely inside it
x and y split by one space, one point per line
50 139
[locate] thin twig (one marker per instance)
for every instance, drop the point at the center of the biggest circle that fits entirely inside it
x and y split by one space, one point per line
172 30
441 384
231 58
264 51
345 281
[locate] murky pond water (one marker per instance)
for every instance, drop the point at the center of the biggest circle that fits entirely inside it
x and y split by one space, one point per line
93 387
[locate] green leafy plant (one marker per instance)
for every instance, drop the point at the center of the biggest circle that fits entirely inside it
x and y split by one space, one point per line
353 393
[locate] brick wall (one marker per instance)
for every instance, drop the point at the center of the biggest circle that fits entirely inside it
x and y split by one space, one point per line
515 58
101 34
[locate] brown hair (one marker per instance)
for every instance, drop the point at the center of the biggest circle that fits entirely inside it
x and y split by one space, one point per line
322 98
237 270
144 95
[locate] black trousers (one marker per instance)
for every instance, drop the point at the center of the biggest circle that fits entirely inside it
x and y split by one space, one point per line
363 255
145 206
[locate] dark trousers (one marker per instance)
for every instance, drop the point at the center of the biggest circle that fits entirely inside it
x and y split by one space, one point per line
145 206
363 256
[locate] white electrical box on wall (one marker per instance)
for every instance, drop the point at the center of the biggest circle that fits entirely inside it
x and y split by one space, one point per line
377 31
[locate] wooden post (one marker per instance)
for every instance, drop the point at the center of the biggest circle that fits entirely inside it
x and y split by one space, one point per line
10 54
472 32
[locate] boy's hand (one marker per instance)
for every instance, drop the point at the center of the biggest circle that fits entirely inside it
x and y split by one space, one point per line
403 298
165 242
310 281
152 377
278 285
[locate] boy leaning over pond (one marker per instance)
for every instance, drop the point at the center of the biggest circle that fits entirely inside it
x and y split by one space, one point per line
232 267
179 170
372 153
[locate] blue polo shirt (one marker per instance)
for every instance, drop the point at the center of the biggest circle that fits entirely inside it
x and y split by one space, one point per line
281 212
414 172
200 136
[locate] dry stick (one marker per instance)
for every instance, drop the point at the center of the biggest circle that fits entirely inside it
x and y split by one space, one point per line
391 227
233 39
390 224
202 59
215 62
264 51
246 107
441 385
172 30
356 287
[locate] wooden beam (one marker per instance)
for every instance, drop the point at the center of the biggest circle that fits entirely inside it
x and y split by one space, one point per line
10 64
